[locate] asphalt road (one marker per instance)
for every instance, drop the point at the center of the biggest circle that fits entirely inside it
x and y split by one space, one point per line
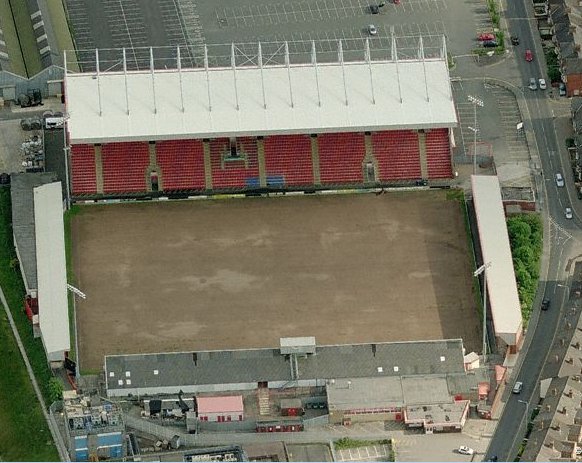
511 427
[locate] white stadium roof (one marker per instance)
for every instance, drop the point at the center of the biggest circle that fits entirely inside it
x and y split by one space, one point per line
298 98
51 269
501 285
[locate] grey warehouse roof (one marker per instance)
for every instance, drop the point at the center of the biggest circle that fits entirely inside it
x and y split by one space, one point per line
176 370
23 221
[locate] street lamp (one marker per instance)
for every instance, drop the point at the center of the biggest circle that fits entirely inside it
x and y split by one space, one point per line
478 272
476 102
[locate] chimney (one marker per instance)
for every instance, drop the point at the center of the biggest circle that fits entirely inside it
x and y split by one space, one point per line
570 360
548 408
555 391
570 393
569 325
556 427
577 345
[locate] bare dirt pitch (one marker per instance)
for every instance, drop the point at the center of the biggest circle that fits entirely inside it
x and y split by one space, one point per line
194 275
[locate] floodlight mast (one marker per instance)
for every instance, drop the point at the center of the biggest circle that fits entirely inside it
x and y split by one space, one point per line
476 102
479 271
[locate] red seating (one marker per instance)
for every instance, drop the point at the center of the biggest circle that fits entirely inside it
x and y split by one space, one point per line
83 176
182 164
124 167
438 154
398 154
228 172
289 157
340 157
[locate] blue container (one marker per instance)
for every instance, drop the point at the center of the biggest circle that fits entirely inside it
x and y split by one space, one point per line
82 455
81 442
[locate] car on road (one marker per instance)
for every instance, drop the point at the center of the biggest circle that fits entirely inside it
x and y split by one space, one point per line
545 304
374 9
542 83
517 387
533 85
568 213
464 450
528 56
485 36
514 40
559 180
372 30
562 89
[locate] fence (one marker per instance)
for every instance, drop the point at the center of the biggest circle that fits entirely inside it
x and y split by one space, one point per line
316 421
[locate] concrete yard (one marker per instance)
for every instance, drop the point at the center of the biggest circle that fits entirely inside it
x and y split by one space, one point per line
224 274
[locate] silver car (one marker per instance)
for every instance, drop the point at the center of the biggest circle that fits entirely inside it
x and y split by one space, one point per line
533 85
372 30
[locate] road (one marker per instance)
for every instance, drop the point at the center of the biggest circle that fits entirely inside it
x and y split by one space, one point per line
563 233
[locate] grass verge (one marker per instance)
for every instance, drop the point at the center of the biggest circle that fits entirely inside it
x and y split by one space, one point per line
24 434
347 443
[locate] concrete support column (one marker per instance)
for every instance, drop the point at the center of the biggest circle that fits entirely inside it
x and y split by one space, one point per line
153 166
423 158
207 165
315 161
262 165
99 169
369 157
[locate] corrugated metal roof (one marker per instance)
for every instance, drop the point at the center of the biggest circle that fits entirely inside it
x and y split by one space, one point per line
227 367
52 270
21 188
407 94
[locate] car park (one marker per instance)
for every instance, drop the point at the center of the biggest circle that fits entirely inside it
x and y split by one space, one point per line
528 56
464 450
372 30
514 40
562 89
545 304
559 180
568 213
533 85
517 387
542 83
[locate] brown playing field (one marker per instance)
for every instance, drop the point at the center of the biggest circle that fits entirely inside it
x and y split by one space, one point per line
220 274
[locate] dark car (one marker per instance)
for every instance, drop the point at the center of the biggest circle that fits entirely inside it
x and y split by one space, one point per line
374 9
545 304
579 192
490 44
514 40
562 89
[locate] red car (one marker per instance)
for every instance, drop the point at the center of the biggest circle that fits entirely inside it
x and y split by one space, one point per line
528 55
485 37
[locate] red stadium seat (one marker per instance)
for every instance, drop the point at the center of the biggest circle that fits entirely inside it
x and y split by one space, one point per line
233 172
182 164
124 167
398 154
340 157
438 154
289 157
83 176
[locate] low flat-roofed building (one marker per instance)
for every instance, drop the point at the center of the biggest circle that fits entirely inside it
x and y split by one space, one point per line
443 417
220 408
425 389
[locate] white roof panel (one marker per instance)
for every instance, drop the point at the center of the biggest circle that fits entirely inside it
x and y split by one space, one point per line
155 103
51 270
501 285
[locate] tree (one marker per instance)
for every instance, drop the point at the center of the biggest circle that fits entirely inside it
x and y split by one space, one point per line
55 389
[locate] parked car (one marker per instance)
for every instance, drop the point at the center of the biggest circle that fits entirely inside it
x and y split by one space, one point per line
542 83
374 9
396 2
578 451
562 89
517 387
490 44
464 450
514 40
486 36
568 213
533 85
528 56
545 304
372 30
579 192
559 180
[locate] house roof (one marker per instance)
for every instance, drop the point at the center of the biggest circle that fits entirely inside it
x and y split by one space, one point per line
572 66
183 369
220 404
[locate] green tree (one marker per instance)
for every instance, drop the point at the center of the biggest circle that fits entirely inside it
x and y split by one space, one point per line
55 389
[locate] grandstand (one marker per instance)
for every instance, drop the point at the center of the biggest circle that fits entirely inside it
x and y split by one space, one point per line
260 127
